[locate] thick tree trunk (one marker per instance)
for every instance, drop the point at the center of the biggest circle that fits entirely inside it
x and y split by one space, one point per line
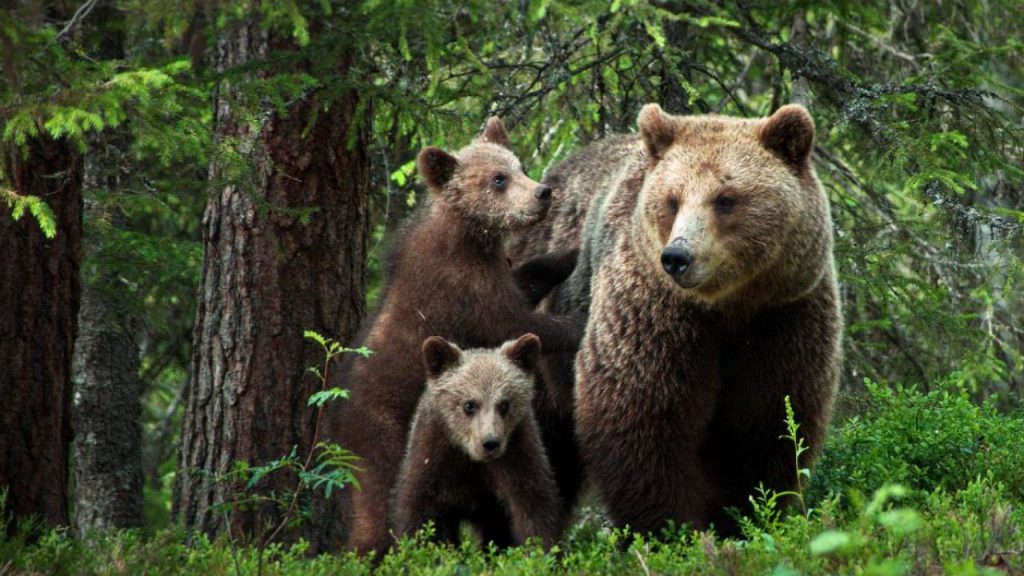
107 410
39 291
268 274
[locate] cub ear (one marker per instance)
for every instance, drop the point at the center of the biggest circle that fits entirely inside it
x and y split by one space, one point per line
789 134
436 166
494 132
657 129
439 355
523 352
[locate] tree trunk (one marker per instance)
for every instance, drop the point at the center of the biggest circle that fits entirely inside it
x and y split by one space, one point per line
107 410
268 274
39 289
107 413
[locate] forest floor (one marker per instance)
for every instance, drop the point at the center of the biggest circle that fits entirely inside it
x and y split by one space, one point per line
915 483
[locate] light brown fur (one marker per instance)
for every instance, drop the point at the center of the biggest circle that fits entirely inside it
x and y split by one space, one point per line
681 376
474 451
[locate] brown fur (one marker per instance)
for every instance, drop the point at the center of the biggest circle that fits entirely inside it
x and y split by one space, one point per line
447 276
555 403
680 379
474 450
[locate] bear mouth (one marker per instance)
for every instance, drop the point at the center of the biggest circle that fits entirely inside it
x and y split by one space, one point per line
692 279
531 217
686 281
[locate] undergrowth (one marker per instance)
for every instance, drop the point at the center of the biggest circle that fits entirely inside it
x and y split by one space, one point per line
916 484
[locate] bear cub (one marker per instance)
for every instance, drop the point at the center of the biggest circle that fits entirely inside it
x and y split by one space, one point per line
447 274
474 451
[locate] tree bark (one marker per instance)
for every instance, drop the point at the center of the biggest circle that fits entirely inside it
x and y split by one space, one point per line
107 410
107 414
267 276
39 289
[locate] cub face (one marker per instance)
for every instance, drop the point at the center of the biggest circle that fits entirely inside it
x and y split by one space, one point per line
485 182
724 198
481 395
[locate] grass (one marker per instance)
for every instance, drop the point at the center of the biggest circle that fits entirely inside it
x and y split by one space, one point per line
915 484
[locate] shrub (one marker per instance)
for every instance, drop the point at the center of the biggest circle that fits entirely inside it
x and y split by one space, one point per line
922 441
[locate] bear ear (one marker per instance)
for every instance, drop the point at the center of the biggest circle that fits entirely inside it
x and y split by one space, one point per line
436 166
439 355
657 129
789 134
523 352
494 132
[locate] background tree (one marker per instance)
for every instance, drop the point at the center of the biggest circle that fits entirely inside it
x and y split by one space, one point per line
40 288
66 78
107 407
285 236
39 285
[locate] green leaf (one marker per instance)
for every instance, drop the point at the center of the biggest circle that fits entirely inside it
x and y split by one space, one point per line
830 541
312 335
322 397
39 210
901 520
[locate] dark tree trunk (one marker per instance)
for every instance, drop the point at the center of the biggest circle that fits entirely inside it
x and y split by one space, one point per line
39 291
107 410
267 276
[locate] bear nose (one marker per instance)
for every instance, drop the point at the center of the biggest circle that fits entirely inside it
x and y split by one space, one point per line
676 259
543 192
491 444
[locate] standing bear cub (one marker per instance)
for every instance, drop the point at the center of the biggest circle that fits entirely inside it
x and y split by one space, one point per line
706 268
446 275
475 451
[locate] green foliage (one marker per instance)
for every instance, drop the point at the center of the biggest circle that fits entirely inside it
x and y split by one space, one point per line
922 441
973 531
326 467
44 216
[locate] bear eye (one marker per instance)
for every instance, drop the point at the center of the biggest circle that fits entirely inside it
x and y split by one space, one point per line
499 182
503 407
673 205
469 407
724 204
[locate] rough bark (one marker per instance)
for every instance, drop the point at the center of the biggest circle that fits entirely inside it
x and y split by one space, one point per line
107 410
107 413
39 288
267 276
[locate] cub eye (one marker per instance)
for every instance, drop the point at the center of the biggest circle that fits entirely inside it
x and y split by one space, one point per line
724 204
503 407
469 408
499 182
673 205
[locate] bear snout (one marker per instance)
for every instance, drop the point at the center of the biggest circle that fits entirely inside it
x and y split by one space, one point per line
676 259
491 445
543 193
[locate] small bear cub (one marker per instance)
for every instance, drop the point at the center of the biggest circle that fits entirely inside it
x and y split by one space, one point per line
474 450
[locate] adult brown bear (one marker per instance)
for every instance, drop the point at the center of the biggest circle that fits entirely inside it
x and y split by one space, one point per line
707 272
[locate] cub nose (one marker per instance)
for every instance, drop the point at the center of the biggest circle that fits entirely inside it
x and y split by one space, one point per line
543 192
491 444
676 259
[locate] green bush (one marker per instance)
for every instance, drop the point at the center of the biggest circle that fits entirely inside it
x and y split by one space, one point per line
922 441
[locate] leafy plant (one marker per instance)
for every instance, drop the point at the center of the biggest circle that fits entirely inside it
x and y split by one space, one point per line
326 466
